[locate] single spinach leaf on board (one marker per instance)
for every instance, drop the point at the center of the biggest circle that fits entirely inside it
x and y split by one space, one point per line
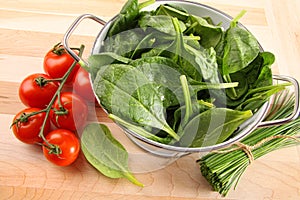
212 127
240 48
96 61
125 92
105 153
210 34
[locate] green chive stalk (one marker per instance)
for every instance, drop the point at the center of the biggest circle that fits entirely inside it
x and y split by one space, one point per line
223 168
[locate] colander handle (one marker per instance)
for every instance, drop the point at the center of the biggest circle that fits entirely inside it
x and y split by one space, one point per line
70 31
296 110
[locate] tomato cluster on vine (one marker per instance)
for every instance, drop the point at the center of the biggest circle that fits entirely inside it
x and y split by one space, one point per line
53 116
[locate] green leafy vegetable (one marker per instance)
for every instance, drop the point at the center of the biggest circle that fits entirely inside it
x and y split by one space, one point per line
102 59
172 11
125 91
105 153
212 126
210 34
126 19
139 130
128 13
161 23
164 72
240 48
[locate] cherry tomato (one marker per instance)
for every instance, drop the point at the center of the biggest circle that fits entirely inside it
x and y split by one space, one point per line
82 85
36 91
67 147
27 128
72 114
57 62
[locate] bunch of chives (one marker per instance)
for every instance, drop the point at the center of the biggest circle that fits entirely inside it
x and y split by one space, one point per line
223 168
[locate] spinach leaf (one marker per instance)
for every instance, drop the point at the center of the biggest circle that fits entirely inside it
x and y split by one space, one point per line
144 45
139 130
256 74
96 61
126 19
161 23
206 62
265 76
242 88
125 92
255 98
212 127
172 11
178 53
210 34
240 48
196 63
253 82
105 153
124 47
198 106
165 74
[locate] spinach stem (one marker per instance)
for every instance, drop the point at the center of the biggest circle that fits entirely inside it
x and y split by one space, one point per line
145 4
237 18
187 100
227 78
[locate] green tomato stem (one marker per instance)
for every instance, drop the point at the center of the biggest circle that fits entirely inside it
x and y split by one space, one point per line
24 117
57 94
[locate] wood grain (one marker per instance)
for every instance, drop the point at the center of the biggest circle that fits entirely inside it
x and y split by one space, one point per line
28 29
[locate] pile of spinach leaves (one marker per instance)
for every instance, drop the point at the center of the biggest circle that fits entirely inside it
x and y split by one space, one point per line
178 78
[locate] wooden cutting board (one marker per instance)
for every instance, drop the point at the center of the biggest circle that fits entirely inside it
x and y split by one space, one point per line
28 29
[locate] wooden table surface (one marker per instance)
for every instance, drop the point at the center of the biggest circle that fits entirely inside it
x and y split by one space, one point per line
28 28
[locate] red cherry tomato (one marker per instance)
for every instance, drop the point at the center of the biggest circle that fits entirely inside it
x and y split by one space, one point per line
57 62
82 85
67 147
27 129
36 91
73 113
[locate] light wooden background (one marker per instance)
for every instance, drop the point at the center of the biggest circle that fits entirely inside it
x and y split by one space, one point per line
28 28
